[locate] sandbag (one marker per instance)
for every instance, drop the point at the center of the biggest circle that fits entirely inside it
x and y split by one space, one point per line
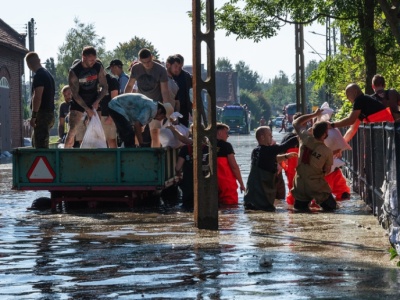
326 114
167 138
337 163
336 141
94 136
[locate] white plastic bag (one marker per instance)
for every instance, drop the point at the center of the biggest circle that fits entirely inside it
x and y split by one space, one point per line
94 136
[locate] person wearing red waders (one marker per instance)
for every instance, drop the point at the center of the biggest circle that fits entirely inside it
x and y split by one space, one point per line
289 166
338 184
365 108
228 171
315 161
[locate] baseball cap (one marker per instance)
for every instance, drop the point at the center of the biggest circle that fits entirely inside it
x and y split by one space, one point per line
168 108
115 62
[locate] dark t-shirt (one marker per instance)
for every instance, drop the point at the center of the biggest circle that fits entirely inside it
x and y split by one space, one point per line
367 105
88 81
224 148
112 86
184 82
43 78
264 157
64 109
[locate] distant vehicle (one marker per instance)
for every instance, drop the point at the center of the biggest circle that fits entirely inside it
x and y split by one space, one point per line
237 118
291 109
278 122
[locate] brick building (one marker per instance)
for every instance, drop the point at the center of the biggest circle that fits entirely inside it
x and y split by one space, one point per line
12 53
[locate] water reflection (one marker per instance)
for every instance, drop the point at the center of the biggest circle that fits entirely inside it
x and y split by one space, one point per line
158 254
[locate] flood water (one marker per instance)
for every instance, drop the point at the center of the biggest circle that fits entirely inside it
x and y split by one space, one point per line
157 253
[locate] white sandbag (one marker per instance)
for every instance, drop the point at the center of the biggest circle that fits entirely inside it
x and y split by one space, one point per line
326 114
337 163
94 136
183 130
335 140
167 138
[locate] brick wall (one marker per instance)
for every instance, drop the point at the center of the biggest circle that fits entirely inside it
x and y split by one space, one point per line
12 68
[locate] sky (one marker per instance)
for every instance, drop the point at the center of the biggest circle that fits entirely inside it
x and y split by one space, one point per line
164 23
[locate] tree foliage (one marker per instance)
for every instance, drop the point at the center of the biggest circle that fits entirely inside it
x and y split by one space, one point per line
52 68
391 10
248 79
223 65
281 92
257 104
128 51
367 31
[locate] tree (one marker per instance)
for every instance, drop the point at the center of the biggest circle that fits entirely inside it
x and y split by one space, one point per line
224 65
257 104
248 79
128 51
259 19
51 67
391 11
281 92
76 39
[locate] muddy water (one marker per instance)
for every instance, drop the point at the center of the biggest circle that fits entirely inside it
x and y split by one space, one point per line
156 253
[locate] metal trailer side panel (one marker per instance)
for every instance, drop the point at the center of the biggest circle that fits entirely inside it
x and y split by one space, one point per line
63 169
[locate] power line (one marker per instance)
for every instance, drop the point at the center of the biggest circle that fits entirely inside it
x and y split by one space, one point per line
315 51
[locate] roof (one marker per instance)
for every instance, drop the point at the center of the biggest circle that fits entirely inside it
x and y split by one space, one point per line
11 39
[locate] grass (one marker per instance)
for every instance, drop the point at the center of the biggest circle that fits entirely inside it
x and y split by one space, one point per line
53 139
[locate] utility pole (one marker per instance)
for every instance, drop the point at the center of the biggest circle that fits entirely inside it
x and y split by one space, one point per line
31 41
328 55
205 187
31 34
300 77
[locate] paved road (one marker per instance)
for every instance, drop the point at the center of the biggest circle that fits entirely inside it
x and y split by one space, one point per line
156 253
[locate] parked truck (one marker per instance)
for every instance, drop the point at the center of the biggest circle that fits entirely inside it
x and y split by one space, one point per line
237 117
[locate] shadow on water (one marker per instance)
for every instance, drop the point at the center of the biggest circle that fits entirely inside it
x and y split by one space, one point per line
155 252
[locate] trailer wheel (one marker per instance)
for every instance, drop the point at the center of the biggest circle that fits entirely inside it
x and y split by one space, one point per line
170 195
42 203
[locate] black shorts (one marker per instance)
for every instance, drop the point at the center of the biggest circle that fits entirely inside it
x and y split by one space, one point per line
76 106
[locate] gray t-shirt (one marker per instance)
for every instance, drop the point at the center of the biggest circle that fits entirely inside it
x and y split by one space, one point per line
148 81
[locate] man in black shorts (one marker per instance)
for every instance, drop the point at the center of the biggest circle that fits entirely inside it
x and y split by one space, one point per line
84 78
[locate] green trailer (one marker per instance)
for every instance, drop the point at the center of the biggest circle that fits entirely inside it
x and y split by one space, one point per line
94 175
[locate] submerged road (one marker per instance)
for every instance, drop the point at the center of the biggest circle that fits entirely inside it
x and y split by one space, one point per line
156 253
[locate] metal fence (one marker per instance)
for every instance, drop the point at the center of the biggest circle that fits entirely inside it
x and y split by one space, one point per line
372 168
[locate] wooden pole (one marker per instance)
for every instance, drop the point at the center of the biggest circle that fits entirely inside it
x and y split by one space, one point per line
205 187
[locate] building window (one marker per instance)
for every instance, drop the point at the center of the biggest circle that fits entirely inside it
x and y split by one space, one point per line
4 83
